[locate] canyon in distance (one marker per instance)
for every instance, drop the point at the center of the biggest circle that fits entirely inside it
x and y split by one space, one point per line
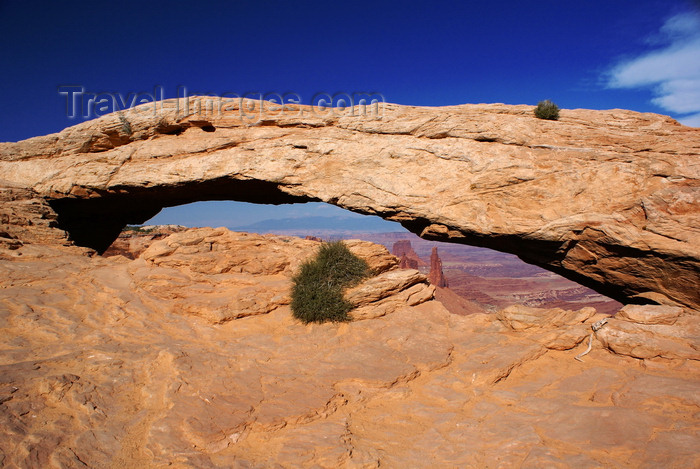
492 279
176 347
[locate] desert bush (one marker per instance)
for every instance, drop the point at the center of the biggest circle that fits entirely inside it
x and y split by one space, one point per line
317 291
138 229
126 126
547 110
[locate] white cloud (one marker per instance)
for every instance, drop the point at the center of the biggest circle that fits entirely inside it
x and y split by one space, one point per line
681 25
679 95
672 70
691 121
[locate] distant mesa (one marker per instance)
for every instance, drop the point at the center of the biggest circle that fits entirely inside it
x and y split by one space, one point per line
408 258
318 224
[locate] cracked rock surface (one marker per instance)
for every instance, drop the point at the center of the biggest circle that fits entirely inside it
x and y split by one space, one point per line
174 359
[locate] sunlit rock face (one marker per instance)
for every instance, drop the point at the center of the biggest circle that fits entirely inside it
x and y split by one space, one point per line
606 198
188 356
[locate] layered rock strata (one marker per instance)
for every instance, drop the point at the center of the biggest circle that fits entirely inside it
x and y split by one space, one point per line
606 198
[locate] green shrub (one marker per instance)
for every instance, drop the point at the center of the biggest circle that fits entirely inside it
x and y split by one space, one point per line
547 110
317 293
126 126
138 229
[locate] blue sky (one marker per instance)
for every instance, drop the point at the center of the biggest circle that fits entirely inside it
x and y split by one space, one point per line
597 54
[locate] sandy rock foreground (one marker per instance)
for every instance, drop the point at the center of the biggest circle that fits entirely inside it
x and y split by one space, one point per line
188 356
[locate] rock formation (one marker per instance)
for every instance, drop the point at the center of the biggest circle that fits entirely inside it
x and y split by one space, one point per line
450 300
188 356
436 275
606 198
131 243
408 258
456 304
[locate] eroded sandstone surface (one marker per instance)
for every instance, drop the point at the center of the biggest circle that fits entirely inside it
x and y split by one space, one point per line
188 356
606 198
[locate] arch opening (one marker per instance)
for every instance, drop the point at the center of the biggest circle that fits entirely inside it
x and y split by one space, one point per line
476 279
96 218
95 222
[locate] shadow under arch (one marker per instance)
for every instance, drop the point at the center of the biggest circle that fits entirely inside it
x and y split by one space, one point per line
96 221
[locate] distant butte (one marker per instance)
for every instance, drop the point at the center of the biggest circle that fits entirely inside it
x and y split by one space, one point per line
408 258
605 198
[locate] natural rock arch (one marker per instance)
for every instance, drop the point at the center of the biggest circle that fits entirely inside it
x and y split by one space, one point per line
605 198
96 222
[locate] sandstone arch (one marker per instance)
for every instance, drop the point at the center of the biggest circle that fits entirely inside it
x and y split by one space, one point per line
606 198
